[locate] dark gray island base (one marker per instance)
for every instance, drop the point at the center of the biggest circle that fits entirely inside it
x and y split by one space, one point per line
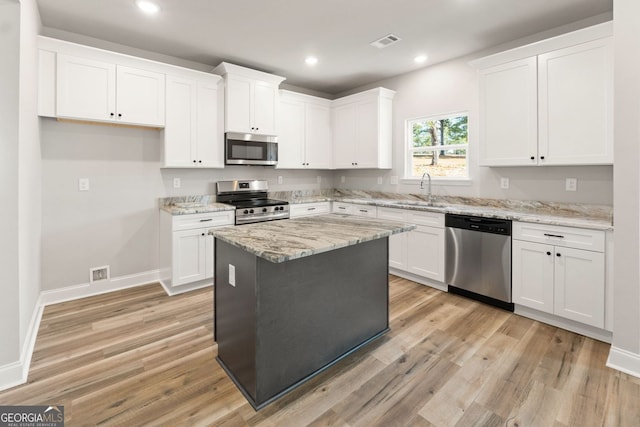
285 318
284 323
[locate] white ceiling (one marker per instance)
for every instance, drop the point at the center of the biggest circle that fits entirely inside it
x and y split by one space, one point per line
276 35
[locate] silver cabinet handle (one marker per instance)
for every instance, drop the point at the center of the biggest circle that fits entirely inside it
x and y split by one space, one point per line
554 235
311 209
206 220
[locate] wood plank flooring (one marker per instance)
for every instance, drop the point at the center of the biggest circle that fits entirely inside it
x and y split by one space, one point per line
138 357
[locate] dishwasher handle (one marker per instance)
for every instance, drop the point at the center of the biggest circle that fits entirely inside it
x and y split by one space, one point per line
479 224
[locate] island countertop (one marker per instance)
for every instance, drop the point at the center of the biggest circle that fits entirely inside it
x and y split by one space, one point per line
285 240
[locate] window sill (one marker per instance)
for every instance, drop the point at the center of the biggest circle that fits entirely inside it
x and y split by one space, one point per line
438 181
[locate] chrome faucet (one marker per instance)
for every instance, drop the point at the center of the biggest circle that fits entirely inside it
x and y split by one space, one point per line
422 186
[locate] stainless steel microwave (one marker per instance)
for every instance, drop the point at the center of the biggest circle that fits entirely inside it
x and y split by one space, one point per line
250 149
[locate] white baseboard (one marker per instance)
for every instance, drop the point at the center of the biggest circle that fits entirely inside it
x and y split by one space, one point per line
16 373
569 325
171 291
624 361
419 279
97 288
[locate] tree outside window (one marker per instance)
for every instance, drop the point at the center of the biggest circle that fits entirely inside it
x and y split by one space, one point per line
438 145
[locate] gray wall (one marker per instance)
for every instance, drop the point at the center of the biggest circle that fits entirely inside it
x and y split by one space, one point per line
9 77
627 180
116 222
453 87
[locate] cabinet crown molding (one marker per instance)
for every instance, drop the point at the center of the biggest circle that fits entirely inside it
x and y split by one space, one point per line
561 41
225 68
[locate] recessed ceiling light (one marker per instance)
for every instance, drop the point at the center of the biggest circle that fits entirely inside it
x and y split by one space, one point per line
420 59
147 6
311 60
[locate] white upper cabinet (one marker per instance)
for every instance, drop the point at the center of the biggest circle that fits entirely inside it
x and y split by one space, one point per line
191 136
575 104
251 99
304 132
549 103
508 114
89 89
362 130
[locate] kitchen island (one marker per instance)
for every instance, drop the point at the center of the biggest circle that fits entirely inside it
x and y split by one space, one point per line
293 297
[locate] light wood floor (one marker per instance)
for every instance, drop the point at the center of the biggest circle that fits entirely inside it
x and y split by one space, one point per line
138 357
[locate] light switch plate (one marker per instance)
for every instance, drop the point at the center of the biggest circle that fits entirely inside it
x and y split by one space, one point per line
379 180
177 183
280 179
571 184
83 184
504 183
319 179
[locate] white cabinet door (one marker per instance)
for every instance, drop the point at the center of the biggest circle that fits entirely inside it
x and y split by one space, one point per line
86 89
318 152
238 102
179 134
398 251
575 111
579 285
189 256
366 148
508 114
209 145
264 105
425 252
191 136
140 96
291 134
533 275
344 136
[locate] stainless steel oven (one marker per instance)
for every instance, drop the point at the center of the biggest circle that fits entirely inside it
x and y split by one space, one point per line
251 200
250 149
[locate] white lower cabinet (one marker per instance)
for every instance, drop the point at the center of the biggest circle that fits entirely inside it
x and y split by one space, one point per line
186 248
309 209
556 278
420 251
355 209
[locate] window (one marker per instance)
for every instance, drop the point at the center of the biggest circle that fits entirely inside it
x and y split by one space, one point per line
438 145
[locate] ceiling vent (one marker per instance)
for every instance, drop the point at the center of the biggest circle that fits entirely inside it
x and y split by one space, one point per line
387 40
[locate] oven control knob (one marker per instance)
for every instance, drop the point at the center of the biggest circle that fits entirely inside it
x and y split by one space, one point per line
280 208
245 212
264 209
251 211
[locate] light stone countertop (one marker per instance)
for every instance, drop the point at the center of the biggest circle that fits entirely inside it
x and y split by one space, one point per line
188 208
288 239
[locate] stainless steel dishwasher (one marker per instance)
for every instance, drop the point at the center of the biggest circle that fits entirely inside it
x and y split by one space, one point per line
478 258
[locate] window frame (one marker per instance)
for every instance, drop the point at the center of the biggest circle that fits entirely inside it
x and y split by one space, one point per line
409 150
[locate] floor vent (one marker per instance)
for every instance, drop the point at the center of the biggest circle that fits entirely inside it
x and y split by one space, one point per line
99 274
387 40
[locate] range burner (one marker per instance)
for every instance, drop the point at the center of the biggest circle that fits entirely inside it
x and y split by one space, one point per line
251 201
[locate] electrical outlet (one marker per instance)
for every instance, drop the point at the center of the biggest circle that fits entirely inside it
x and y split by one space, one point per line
99 274
83 184
379 180
393 180
343 179
571 184
504 183
280 179
232 275
177 183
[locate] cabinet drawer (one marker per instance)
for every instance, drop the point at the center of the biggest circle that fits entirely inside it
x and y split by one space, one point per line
570 237
213 219
430 219
362 210
392 214
344 208
307 209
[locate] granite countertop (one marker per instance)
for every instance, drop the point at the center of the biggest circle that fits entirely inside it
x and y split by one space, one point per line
288 239
188 205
